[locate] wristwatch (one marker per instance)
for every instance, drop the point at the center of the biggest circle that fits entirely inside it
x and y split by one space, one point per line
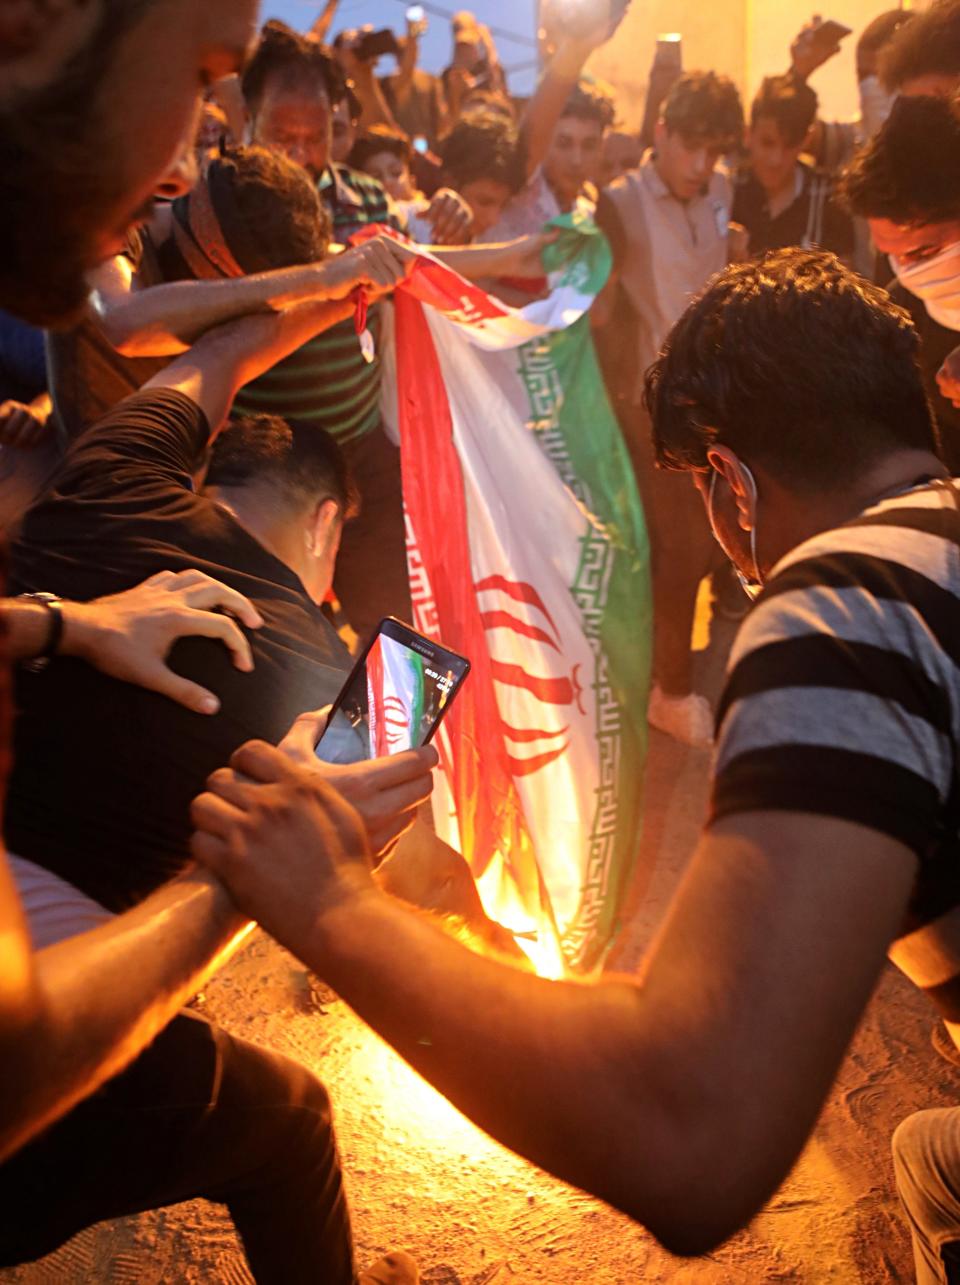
54 606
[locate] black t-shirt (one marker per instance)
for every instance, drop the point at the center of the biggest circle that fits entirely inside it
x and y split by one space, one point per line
811 219
104 772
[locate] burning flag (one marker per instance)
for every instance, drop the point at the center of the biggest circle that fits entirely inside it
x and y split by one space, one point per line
528 553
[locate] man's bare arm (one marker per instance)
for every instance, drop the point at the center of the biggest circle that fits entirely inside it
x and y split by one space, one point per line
694 1089
323 22
518 258
164 320
226 358
75 1014
550 97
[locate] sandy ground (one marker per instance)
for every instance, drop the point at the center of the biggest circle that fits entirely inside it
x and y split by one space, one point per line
422 1178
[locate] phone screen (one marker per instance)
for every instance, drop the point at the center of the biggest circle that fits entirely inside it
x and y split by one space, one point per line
395 697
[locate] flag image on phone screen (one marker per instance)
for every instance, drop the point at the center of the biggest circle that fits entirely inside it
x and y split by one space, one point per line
395 697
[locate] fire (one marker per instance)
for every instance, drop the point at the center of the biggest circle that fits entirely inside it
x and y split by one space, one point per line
536 935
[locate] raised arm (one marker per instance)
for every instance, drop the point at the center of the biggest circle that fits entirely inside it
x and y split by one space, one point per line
165 320
695 1086
557 83
409 57
324 21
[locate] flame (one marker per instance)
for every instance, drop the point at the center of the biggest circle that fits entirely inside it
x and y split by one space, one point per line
535 933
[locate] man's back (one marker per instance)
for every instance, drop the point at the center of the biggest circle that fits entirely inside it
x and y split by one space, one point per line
121 763
843 700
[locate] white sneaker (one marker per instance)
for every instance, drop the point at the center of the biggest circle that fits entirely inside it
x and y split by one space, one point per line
688 719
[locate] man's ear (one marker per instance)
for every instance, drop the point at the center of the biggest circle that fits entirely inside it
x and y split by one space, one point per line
326 517
744 491
659 135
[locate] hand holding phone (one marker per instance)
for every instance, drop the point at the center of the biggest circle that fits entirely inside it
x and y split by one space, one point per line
395 697
816 43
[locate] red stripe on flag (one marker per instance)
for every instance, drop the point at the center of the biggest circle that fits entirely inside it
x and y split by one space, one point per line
521 735
527 767
519 591
489 810
507 620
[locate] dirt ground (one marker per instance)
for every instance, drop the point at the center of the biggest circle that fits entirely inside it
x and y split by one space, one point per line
422 1178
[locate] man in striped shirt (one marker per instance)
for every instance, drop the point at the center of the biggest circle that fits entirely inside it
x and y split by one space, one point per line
790 391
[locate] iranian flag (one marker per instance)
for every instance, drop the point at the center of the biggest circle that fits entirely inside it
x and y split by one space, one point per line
528 553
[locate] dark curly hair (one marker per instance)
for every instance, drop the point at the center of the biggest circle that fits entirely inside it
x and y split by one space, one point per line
268 209
790 102
377 139
929 44
909 172
282 52
797 364
703 106
482 145
592 102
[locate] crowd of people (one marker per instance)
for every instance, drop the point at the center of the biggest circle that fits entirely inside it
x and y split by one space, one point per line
202 501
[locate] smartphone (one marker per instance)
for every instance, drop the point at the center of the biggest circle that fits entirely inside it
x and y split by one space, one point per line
415 13
669 50
421 144
829 34
374 44
395 697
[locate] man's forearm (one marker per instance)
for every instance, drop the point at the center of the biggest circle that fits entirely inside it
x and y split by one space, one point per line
165 320
489 1056
229 356
101 998
477 261
373 105
550 97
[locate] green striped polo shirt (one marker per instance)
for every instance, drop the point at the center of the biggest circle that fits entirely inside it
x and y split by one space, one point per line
327 381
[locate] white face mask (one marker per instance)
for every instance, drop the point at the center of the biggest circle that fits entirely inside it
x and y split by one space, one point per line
875 104
936 281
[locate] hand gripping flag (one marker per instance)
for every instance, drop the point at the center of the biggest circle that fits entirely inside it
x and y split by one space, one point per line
528 553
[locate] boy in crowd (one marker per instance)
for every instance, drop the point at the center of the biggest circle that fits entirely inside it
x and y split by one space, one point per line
778 198
481 160
571 166
387 155
906 184
668 225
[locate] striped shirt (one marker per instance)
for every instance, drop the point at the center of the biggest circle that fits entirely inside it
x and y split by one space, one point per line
327 381
843 699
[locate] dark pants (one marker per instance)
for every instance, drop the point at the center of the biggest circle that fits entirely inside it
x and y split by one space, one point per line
371 580
200 1113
